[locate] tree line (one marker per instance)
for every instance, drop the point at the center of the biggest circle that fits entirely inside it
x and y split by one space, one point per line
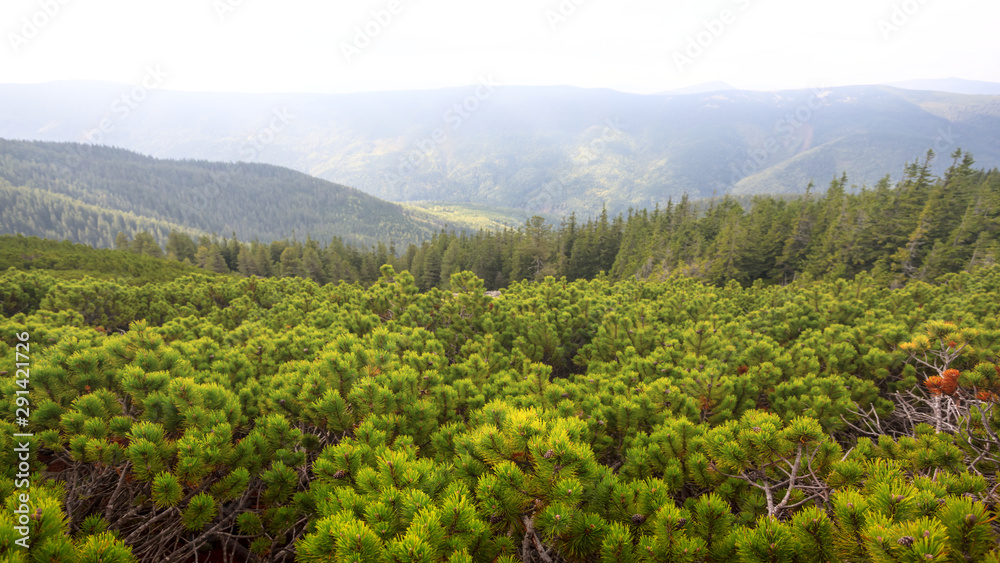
918 228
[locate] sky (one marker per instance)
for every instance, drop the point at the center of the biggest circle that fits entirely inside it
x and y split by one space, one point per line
641 46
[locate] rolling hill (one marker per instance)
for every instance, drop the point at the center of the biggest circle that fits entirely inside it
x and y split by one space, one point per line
88 193
530 149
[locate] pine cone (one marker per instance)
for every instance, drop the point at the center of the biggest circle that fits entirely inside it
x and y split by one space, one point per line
548 454
638 519
340 474
680 523
905 541
495 519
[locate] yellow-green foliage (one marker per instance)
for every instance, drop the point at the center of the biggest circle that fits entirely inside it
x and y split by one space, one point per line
569 421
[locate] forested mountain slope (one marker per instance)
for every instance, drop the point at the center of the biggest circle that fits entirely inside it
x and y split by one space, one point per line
36 212
89 193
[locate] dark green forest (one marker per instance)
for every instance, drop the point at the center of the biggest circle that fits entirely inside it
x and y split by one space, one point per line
918 228
89 193
55 216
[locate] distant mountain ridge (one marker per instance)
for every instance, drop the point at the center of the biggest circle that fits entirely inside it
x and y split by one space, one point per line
534 149
953 85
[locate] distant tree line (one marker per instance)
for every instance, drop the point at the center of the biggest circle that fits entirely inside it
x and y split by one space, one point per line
919 228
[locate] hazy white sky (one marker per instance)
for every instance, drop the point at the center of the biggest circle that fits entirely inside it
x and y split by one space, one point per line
630 45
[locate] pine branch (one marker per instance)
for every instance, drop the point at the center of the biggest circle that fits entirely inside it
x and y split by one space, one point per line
791 481
114 496
134 535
